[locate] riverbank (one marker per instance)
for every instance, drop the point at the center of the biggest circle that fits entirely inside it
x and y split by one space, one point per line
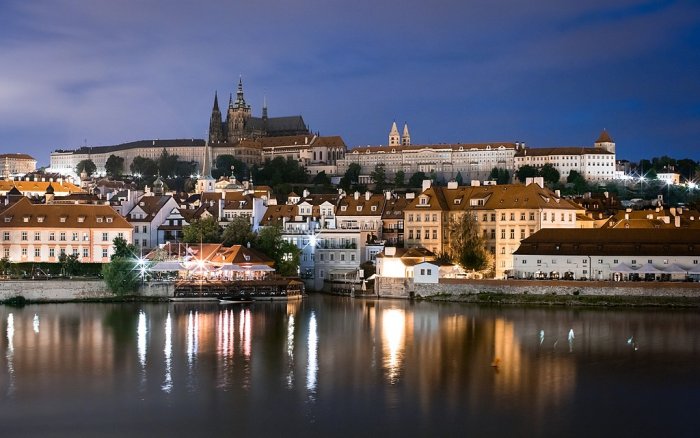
489 298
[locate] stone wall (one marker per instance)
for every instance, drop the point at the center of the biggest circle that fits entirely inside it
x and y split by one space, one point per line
66 290
534 287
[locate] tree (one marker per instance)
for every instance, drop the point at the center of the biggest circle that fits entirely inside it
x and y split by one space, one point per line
351 177
285 254
577 180
279 171
399 179
525 172
321 179
379 177
143 166
224 163
114 166
205 230
549 174
416 179
501 176
123 249
167 164
4 265
87 166
459 178
69 264
466 245
121 275
238 232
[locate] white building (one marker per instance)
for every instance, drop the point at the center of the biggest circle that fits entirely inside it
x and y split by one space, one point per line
609 254
594 164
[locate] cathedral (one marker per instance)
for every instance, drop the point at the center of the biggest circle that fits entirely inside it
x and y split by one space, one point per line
241 125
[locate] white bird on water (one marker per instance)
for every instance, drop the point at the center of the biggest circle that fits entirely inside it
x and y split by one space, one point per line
571 334
541 336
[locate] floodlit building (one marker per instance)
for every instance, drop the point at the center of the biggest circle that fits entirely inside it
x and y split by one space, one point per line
41 232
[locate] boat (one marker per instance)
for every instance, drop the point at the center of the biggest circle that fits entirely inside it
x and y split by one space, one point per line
236 299
192 299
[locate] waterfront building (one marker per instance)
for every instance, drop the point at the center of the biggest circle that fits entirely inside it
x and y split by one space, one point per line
609 254
41 232
595 163
16 165
505 215
657 218
150 212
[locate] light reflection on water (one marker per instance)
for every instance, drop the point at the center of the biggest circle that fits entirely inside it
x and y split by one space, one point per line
347 366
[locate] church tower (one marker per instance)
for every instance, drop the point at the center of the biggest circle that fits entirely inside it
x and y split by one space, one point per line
394 139
406 137
238 114
606 142
206 182
216 134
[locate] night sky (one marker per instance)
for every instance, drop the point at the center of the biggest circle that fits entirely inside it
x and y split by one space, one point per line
546 72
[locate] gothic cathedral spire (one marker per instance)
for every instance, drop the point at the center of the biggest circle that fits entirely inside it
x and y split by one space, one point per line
216 134
406 137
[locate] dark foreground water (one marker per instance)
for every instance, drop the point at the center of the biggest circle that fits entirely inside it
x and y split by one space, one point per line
336 367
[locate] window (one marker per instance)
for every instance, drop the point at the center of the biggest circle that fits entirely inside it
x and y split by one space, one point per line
485 218
6 235
422 272
52 253
74 237
435 235
585 261
430 272
410 218
62 237
503 250
24 235
493 233
37 252
86 236
352 257
539 261
86 253
649 261
331 257
342 257
544 216
615 261
410 234
600 261
37 235
503 233
52 236
512 233
136 242
493 217
503 216
522 233
532 216
435 218
524 262
104 253
427 234
522 216
634 262
512 216
75 252
24 252
105 237
695 262
321 257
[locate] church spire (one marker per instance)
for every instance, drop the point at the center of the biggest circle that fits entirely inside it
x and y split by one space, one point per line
264 109
394 139
406 137
240 100
216 133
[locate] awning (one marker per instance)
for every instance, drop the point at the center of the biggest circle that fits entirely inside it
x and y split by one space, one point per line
623 268
649 269
674 269
264 268
166 266
232 268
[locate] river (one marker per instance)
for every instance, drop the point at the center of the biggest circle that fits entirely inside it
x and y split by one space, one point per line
329 366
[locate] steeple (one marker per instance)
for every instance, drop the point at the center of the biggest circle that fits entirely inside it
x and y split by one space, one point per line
240 100
206 182
230 101
216 133
406 137
264 109
394 139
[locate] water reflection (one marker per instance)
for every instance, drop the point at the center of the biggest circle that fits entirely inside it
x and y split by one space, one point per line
393 339
412 368
10 354
168 352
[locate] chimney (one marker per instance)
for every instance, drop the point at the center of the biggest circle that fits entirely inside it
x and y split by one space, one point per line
475 183
558 193
305 193
452 185
221 208
426 184
627 216
368 195
387 195
357 195
677 221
